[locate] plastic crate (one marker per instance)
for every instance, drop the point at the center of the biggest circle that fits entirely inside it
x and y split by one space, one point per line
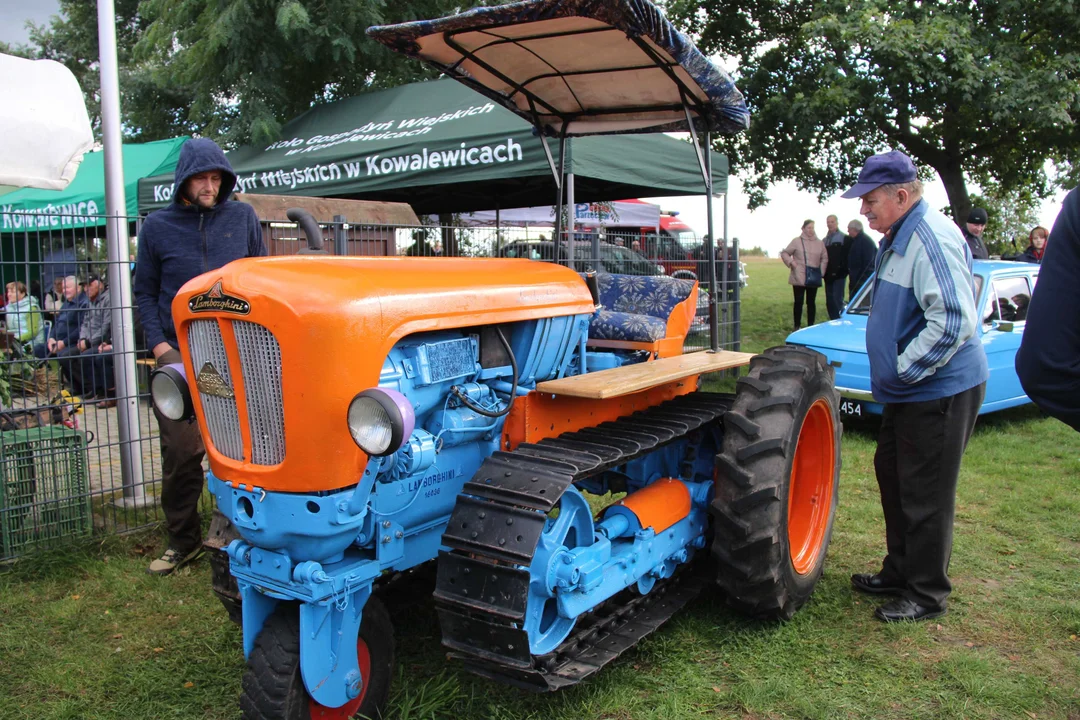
44 488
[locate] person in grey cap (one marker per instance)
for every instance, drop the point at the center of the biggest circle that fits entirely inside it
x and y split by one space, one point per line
973 231
929 370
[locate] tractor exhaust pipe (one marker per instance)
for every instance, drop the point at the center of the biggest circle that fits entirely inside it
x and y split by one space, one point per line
311 229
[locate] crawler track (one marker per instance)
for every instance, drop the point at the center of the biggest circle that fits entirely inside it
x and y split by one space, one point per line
483 581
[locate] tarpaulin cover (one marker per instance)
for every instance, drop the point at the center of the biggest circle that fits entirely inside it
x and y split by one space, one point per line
441 147
44 127
578 66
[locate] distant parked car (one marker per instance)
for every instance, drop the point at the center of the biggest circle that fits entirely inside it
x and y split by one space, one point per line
1003 291
613 259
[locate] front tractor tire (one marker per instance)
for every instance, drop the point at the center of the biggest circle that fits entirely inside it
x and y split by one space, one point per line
273 688
777 483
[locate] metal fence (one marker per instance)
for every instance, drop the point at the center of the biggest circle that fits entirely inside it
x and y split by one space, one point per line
69 441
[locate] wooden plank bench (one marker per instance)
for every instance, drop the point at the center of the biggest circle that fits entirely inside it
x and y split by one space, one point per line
642 376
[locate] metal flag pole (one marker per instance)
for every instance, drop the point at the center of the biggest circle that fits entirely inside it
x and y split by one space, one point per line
710 245
127 387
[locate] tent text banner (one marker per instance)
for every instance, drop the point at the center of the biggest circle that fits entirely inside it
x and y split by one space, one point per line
442 147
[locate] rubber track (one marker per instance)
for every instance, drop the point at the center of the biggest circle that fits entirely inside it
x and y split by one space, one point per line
483 582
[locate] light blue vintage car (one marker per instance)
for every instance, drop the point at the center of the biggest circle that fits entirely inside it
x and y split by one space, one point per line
1003 290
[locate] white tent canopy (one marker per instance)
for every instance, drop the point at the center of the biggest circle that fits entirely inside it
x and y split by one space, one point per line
621 214
44 127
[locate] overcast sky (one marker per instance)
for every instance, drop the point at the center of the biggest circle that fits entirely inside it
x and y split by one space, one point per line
15 13
771 227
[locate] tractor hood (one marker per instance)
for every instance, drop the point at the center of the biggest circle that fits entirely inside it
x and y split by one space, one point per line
291 340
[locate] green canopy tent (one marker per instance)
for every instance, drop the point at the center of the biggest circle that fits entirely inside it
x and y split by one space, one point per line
442 147
36 225
82 203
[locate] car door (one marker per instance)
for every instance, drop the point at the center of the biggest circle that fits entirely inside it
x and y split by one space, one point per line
1004 316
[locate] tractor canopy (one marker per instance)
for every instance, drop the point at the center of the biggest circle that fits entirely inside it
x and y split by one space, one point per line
579 67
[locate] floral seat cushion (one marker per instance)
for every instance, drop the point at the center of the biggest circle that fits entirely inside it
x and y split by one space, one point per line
635 327
636 307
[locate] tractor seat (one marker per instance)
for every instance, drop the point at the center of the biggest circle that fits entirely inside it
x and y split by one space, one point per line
642 312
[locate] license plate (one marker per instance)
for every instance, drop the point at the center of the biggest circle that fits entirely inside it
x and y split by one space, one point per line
850 407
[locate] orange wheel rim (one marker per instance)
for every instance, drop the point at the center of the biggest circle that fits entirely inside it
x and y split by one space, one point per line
810 491
346 711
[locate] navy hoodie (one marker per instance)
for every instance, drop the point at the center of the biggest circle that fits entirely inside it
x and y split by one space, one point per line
1048 361
183 240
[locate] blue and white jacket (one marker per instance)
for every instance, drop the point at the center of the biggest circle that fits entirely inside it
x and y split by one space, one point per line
921 335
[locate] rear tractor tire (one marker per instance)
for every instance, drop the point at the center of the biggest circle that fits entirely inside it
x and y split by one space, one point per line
777 483
273 688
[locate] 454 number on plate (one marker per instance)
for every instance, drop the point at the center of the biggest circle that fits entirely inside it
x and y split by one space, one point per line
850 407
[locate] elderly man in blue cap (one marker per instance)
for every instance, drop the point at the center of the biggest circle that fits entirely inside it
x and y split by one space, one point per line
929 369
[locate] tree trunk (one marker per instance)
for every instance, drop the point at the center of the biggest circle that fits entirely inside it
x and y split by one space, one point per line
449 237
952 176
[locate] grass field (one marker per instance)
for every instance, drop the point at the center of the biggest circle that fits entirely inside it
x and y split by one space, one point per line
85 633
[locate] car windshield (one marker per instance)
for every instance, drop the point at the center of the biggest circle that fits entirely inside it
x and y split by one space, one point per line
860 304
687 238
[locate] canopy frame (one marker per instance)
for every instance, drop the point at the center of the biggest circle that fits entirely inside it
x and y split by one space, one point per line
455 72
639 21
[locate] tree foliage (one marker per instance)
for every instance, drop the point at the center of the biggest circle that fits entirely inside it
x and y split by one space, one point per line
1012 215
150 111
251 65
983 91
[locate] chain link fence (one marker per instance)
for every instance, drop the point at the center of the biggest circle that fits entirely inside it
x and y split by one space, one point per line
65 431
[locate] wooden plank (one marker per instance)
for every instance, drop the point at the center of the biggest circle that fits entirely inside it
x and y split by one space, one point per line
642 376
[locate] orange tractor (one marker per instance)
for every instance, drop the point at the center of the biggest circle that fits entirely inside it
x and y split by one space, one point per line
364 416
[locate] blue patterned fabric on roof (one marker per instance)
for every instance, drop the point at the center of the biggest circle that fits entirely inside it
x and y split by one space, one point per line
725 110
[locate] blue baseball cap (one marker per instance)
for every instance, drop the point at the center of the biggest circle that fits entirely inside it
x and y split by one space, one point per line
884 169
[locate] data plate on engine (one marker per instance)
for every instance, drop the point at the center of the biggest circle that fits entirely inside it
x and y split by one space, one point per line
445 360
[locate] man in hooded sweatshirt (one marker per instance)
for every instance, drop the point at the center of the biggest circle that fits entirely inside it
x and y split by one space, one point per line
200 230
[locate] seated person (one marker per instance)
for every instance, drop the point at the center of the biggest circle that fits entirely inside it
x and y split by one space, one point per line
54 299
78 363
22 315
65 329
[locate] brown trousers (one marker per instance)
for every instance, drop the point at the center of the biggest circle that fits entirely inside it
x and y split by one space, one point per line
182 475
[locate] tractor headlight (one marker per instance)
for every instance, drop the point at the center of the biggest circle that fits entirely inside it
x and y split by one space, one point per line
170 392
380 420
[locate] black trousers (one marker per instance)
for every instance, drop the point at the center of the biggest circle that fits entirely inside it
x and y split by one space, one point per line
917 462
834 297
87 372
181 475
811 306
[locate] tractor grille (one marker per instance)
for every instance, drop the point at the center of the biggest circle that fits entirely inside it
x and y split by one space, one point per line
260 362
260 357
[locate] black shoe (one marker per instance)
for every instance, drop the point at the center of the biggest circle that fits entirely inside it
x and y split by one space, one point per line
874 584
905 610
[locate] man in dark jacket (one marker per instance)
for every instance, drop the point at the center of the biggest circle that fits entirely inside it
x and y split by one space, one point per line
837 246
860 257
973 231
1047 359
200 230
64 332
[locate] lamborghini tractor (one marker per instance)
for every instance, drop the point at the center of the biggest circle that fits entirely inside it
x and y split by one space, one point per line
365 416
